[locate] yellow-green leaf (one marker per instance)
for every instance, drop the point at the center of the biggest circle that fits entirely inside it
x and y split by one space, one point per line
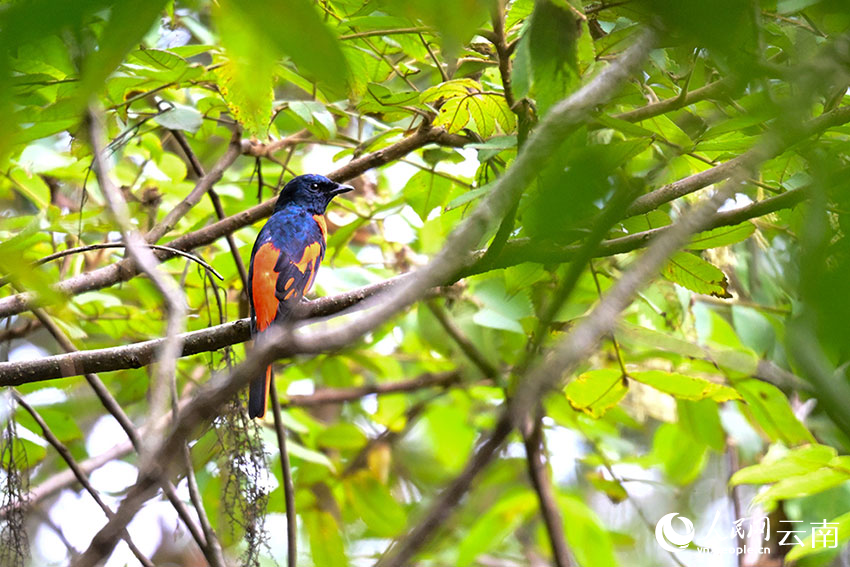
597 391
773 413
721 236
795 462
697 275
685 387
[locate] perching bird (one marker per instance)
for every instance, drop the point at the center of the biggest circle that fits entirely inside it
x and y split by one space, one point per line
284 261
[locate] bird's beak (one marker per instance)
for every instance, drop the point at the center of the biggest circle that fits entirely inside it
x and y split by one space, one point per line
340 189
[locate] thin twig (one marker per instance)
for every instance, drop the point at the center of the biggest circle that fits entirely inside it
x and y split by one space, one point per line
541 480
436 61
216 201
466 346
205 183
114 408
78 473
373 33
105 245
288 486
147 262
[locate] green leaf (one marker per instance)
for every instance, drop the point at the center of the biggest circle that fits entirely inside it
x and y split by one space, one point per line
553 34
294 28
487 317
425 191
342 436
326 543
160 65
468 196
128 23
499 108
60 423
697 275
681 456
456 88
596 391
373 502
721 236
839 526
180 117
837 472
701 419
301 452
482 114
495 525
773 413
774 468
25 453
685 387
246 77
588 539
453 115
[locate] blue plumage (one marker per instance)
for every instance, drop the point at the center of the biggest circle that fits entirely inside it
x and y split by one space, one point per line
284 262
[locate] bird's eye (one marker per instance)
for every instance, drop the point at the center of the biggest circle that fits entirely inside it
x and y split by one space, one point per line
315 185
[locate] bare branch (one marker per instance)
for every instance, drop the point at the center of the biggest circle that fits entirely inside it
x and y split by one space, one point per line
288 486
234 149
126 269
216 201
405 549
78 473
147 262
687 98
214 338
542 482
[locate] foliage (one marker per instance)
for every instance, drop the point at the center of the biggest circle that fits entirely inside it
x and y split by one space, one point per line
731 363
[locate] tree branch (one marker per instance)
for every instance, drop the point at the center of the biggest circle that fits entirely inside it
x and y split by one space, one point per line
542 483
326 396
562 118
216 201
138 251
214 338
126 270
711 90
79 474
654 199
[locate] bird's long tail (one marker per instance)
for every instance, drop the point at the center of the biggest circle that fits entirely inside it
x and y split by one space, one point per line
258 395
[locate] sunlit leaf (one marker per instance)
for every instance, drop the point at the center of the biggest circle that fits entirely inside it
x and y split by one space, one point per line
697 275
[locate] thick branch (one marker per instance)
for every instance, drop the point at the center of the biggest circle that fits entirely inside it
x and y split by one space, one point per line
725 170
66 478
214 338
140 354
711 90
125 270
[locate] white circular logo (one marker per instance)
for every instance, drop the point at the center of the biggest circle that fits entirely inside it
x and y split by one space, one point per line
666 535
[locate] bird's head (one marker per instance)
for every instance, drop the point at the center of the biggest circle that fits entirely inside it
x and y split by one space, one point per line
311 191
